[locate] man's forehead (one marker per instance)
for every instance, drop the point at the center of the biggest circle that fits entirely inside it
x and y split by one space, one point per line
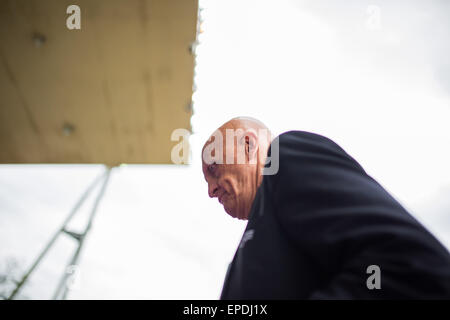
223 131
219 141
205 171
210 140
207 143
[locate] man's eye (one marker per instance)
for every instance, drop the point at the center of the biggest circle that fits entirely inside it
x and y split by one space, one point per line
212 167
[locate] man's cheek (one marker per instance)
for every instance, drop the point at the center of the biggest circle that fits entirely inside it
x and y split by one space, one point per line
227 185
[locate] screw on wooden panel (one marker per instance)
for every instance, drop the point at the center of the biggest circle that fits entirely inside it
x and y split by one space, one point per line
192 47
68 129
38 39
188 107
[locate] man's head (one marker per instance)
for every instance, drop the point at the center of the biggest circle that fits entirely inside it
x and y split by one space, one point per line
233 160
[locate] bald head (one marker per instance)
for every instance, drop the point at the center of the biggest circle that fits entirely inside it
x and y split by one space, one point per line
246 123
244 128
233 162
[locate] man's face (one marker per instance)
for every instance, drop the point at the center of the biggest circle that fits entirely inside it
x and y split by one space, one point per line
232 184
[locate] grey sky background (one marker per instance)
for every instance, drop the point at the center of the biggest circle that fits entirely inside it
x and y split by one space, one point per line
381 91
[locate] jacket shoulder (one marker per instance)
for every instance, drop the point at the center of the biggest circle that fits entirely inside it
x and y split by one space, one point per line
295 147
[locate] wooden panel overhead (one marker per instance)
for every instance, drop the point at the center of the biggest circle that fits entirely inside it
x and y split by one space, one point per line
110 93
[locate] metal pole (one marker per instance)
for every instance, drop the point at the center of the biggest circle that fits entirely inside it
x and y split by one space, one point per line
55 236
81 240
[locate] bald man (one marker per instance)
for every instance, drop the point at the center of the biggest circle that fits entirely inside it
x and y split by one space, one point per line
318 226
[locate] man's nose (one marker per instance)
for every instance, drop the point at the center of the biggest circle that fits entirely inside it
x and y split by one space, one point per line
212 190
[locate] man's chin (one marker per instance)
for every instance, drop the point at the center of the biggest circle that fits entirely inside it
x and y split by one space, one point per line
232 213
228 211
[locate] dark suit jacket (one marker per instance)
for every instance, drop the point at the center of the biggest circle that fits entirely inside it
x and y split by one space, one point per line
320 222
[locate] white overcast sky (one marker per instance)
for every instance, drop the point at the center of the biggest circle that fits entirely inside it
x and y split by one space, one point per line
374 76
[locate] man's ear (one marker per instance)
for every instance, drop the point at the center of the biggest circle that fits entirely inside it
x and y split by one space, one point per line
251 146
